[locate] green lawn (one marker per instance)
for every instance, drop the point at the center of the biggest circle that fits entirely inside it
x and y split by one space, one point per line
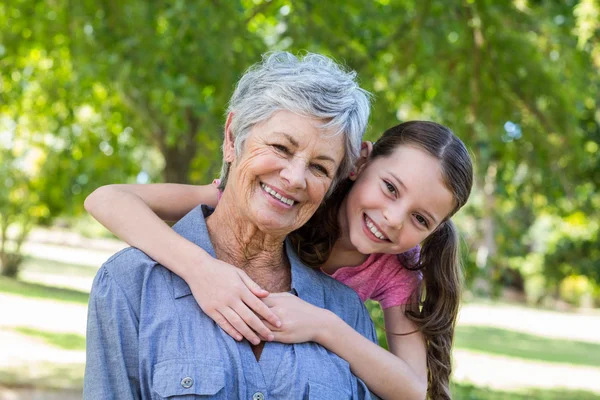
54 377
66 341
480 339
504 342
51 267
470 392
38 291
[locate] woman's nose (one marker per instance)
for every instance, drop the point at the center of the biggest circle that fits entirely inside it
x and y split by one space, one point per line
294 174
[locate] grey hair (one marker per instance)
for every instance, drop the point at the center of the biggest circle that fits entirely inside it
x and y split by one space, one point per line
314 86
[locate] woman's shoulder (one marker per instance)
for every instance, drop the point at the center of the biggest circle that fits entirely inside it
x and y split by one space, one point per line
129 265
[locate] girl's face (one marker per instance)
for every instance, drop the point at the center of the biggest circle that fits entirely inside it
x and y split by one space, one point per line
396 202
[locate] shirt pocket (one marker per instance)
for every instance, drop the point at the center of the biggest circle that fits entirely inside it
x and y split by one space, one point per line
319 391
188 379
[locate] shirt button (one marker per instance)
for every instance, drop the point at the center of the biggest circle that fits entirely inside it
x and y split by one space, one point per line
187 382
258 396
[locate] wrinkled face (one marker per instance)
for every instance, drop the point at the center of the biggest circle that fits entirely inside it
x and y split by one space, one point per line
396 202
286 167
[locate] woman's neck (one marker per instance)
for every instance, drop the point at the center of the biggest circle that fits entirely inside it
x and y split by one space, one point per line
344 253
240 243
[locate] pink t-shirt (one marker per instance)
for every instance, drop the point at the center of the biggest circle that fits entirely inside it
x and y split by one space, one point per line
382 278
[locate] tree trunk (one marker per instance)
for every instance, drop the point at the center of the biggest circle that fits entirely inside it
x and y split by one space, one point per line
179 157
486 253
177 166
10 264
10 260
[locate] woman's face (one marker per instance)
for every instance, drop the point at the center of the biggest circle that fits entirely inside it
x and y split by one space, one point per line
286 167
396 202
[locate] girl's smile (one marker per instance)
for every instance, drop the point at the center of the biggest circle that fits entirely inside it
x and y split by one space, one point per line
373 231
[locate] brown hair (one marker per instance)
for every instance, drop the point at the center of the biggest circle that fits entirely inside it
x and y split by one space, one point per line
439 295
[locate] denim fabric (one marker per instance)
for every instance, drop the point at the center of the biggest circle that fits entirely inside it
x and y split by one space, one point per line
148 339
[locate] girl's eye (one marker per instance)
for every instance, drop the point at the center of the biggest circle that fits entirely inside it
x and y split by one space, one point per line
321 170
421 220
390 187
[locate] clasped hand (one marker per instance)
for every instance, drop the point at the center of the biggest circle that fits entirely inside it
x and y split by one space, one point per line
244 310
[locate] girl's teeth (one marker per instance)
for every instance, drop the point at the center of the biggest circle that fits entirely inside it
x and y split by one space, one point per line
276 195
373 229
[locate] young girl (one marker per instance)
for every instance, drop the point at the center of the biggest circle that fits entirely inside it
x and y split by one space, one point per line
402 193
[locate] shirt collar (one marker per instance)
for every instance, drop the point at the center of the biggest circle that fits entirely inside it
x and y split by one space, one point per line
192 227
306 282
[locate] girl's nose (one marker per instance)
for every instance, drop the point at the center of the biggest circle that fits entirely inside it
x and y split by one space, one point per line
395 217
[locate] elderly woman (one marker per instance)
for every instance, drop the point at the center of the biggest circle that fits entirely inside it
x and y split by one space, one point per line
294 127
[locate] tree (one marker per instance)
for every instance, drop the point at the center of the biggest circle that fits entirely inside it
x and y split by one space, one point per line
56 140
517 81
495 72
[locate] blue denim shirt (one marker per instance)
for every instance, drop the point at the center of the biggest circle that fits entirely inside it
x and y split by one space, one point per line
147 338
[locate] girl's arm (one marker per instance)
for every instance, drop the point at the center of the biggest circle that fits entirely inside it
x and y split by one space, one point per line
400 373
224 292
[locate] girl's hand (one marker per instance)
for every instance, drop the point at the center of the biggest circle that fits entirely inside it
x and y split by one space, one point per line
300 321
228 296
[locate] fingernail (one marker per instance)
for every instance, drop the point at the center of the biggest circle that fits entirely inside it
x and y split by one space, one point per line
238 338
271 337
256 342
278 324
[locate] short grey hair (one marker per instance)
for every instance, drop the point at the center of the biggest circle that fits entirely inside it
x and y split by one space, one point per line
314 86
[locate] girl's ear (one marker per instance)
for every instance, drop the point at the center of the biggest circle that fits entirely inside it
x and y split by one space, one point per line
365 152
229 141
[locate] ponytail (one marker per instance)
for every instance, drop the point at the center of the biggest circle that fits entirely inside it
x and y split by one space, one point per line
439 301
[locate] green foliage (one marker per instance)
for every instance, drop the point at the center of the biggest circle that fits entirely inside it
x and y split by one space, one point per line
93 92
377 316
60 135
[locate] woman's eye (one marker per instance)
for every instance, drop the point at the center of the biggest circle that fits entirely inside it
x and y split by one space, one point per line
421 220
321 169
281 148
390 187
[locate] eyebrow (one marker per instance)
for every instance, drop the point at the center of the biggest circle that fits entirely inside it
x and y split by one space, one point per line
294 142
427 213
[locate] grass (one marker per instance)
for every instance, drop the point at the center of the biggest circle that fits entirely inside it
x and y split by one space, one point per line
51 267
43 376
66 341
504 342
482 339
471 392
38 291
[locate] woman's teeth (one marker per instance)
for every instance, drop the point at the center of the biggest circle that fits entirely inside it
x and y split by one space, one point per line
277 196
374 229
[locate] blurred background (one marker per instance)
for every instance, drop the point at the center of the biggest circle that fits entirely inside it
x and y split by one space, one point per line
102 91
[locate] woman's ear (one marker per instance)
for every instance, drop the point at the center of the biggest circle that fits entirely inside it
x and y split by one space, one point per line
229 141
365 152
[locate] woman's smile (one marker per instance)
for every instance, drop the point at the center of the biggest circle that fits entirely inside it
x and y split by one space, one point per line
280 198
